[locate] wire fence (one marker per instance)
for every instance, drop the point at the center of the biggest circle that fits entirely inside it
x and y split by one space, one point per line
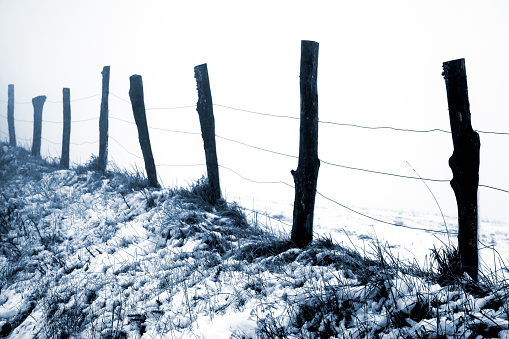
332 164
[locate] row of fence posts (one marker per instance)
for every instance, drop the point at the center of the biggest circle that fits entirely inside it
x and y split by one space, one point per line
464 161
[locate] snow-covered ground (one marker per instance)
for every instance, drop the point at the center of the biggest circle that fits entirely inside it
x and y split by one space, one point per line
91 256
409 235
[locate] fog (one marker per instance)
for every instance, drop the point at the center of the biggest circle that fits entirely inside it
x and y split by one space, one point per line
380 64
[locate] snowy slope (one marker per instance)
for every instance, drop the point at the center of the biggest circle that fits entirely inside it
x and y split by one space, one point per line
87 255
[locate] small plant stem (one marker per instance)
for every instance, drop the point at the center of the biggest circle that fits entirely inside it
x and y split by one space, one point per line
188 304
436 201
37 228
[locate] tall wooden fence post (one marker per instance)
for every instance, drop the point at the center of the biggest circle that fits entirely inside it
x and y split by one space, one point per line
138 104
66 133
206 114
464 164
10 116
38 103
103 120
306 175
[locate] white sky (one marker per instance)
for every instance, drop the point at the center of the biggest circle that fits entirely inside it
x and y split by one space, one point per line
379 64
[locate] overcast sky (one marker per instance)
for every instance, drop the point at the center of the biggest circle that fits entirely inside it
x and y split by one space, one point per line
380 64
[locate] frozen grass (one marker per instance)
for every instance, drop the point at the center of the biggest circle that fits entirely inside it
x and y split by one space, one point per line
99 255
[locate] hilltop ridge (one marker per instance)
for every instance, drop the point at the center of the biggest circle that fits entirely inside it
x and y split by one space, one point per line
86 254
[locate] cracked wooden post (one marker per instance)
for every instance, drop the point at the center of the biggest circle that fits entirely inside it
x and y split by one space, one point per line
103 120
66 133
464 164
306 175
138 104
206 114
10 116
38 103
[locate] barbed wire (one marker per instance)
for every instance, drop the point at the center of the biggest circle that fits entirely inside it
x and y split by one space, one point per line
52 101
72 143
341 205
179 165
317 192
251 180
296 157
125 149
153 108
19 120
276 152
84 143
383 173
119 97
73 121
293 187
169 108
355 125
157 128
281 116
288 185
52 121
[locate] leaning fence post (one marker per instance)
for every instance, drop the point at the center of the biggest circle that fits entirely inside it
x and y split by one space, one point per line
306 175
206 114
38 103
103 120
66 133
10 116
464 164
138 104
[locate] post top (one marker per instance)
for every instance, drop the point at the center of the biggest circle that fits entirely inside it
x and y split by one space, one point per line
455 61
40 98
303 42
200 68
454 65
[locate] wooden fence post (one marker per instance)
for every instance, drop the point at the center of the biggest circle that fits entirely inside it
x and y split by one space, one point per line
206 114
38 103
138 104
10 116
464 164
306 175
103 120
66 133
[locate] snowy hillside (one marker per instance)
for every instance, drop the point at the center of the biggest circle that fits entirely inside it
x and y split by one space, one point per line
90 255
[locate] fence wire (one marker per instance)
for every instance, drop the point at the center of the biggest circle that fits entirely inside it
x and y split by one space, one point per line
274 116
271 151
276 152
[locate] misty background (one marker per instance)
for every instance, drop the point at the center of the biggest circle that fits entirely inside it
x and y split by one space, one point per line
380 64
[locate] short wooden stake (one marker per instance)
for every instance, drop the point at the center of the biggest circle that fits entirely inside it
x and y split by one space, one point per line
103 120
10 116
66 133
38 103
306 175
464 164
138 104
206 114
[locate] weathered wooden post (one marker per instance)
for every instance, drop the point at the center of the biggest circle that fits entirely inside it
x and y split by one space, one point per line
10 116
103 120
66 133
306 175
464 164
206 114
138 104
38 103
